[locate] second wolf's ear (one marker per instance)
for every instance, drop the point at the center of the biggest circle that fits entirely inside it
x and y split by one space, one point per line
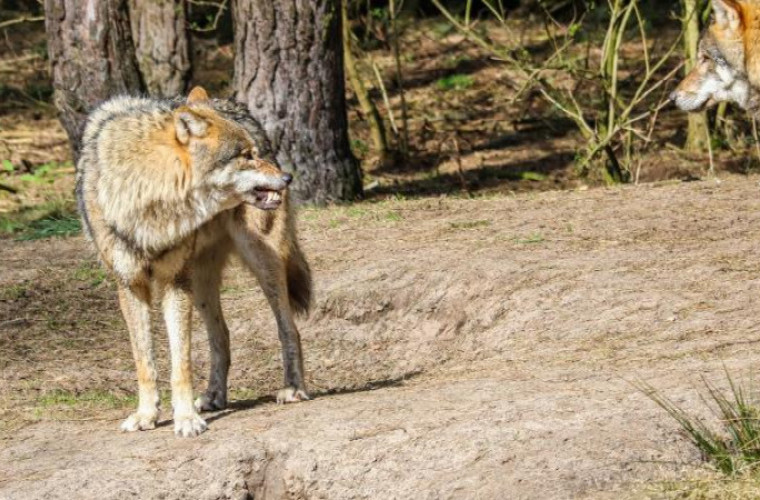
727 14
197 95
188 124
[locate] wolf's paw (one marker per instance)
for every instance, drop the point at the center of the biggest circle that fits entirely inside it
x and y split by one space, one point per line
291 395
189 425
211 401
140 422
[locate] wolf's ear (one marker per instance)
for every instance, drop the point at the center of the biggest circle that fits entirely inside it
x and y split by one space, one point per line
197 95
727 14
188 124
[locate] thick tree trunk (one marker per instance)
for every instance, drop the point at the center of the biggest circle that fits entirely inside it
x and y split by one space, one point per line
698 131
289 71
161 45
92 58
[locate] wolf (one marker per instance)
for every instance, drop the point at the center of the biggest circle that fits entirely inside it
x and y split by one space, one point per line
167 192
728 63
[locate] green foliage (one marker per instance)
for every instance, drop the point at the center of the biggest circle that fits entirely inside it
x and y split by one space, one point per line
455 82
359 147
56 224
52 219
735 447
7 166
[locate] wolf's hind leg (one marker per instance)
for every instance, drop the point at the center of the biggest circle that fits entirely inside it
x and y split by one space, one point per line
177 307
269 268
207 273
135 305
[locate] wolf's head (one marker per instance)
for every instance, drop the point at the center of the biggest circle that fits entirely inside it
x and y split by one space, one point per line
727 68
222 156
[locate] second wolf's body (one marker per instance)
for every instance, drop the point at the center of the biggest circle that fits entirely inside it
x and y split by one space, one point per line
167 192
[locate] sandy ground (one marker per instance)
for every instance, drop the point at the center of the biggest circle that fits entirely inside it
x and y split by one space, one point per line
474 349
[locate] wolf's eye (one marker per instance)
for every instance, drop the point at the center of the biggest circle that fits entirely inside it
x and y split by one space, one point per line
247 154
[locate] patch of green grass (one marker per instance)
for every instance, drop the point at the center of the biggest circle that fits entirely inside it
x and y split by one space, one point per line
14 292
531 240
733 448
244 393
393 216
52 219
474 224
532 176
45 173
357 212
94 398
455 82
54 225
90 272
359 147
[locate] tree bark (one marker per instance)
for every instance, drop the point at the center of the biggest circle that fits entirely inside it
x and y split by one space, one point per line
698 131
161 45
289 71
92 58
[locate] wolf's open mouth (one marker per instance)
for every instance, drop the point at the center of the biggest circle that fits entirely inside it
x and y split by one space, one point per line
266 199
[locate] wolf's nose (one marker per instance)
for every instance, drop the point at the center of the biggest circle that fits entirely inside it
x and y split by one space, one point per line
287 178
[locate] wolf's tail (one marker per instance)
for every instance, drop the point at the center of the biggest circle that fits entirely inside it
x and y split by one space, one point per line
299 281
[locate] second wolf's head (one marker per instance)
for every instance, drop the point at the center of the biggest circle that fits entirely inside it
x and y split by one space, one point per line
728 63
222 156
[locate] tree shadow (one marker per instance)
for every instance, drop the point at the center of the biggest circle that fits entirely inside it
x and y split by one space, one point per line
519 174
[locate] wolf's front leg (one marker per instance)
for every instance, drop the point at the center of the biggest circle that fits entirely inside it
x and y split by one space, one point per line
177 308
135 305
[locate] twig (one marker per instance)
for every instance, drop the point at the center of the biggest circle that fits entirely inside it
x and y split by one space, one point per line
20 20
221 7
385 97
6 187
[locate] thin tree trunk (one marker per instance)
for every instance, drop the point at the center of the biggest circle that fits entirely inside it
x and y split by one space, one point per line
91 56
698 132
289 71
376 125
161 45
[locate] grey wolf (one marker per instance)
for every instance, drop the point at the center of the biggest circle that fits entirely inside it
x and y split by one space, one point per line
167 191
728 65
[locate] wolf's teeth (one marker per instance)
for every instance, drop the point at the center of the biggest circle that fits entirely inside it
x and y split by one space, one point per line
270 195
276 197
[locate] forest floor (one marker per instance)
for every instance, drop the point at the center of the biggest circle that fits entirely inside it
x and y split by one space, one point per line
458 349
478 333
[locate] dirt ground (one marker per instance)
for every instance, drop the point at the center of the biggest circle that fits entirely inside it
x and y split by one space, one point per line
458 349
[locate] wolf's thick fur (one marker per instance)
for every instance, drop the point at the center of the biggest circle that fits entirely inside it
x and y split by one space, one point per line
728 65
166 190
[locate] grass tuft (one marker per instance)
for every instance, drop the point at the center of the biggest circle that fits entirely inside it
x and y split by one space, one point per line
735 447
455 82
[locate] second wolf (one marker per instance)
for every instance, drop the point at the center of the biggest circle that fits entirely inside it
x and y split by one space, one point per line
168 190
728 60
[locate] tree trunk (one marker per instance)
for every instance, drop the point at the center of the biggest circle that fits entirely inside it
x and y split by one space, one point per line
92 58
289 71
161 45
698 131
